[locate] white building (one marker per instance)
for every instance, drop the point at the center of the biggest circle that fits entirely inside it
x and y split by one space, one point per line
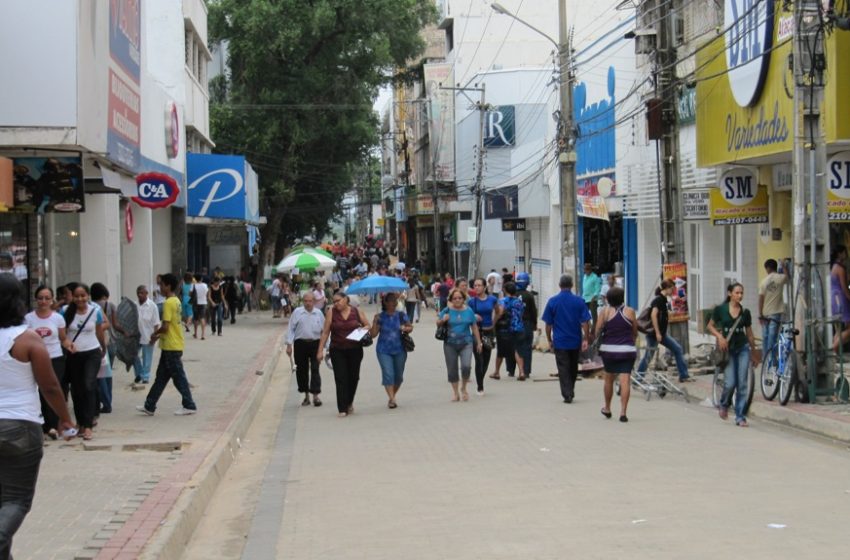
106 92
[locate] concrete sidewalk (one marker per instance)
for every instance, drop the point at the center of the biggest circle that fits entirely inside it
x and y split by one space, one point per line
139 486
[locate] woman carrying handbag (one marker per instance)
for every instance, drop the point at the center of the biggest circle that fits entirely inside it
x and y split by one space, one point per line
731 325
346 354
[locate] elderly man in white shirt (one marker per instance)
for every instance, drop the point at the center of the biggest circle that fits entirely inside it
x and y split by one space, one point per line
148 324
305 330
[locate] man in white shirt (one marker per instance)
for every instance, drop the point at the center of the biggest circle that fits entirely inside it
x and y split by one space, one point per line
148 324
304 332
199 312
494 283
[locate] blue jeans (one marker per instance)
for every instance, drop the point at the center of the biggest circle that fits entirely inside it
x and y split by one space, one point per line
670 343
143 362
770 334
170 368
392 368
736 381
20 456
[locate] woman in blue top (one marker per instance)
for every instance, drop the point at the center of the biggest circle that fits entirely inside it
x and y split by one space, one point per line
483 305
463 330
388 326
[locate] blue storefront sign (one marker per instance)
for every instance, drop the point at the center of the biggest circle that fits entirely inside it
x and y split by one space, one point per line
217 186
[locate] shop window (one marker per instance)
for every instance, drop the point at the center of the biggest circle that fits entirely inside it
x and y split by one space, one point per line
14 257
63 248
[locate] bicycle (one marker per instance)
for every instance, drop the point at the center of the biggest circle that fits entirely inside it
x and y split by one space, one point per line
779 367
719 384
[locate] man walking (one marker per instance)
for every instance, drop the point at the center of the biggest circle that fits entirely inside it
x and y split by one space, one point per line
568 316
148 324
529 320
591 287
305 330
171 343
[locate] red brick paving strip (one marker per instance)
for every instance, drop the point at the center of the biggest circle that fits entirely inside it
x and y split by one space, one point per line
129 541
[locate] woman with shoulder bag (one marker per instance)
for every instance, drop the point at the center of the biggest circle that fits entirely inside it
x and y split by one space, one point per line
462 334
388 326
731 325
346 355
616 330
659 335
483 305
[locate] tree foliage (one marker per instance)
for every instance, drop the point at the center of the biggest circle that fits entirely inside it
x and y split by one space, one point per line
303 75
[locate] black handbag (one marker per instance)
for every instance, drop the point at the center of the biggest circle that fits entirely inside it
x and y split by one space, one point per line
366 340
442 332
407 342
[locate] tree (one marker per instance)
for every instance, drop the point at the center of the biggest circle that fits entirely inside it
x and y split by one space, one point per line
298 98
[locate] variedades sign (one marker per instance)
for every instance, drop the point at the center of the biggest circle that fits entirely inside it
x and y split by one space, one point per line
156 190
216 186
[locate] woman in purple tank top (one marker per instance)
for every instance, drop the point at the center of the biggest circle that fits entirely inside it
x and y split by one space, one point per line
617 327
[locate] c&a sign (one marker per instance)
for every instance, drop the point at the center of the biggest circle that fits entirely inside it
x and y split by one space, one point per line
739 199
155 190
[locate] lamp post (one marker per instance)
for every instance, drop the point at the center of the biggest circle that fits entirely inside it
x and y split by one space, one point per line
566 135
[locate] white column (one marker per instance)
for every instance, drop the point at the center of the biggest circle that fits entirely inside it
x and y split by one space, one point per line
137 255
100 254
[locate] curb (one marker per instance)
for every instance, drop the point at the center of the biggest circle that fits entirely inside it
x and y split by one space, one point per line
181 520
817 422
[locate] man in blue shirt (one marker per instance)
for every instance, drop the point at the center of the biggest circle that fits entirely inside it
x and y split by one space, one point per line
567 314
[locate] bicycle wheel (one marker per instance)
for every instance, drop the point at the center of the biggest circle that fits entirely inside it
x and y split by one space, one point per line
788 378
717 385
769 379
751 387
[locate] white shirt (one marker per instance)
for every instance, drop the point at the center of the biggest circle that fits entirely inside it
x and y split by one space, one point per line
87 340
305 325
18 389
201 291
497 282
148 320
48 330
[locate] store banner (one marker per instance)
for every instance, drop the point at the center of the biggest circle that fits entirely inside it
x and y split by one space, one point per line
48 184
501 203
217 187
838 191
441 121
124 101
592 207
695 205
678 274
739 199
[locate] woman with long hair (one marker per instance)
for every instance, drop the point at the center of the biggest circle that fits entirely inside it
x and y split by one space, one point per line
346 355
388 325
25 369
839 294
616 328
50 326
659 335
186 299
483 305
731 321
463 338
85 342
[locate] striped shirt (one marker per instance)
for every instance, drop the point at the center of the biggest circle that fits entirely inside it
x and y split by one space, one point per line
618 341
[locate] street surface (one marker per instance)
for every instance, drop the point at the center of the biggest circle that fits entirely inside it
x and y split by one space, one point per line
518 474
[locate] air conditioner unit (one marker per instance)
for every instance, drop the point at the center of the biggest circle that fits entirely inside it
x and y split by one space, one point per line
645 40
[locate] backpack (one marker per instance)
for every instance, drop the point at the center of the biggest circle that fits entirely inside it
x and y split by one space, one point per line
514 308
644 321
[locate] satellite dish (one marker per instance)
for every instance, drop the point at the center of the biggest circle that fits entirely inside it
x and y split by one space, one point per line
604 187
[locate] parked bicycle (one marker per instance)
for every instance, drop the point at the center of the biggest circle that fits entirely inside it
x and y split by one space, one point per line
779 367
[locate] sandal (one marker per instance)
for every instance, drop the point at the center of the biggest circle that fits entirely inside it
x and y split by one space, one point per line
392 404
742 424
495 376
521 378
605 414
87 434
53 434
624 418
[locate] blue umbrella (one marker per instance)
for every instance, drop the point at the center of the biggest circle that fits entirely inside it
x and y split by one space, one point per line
377 285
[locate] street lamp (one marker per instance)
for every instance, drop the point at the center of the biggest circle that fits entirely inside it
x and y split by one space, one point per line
566 135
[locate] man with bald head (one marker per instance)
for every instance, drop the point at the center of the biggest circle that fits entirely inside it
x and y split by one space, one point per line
305 330
567 315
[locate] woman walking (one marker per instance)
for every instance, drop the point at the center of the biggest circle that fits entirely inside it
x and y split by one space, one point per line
463 334
509 328
388 326
100 296
24 372
840 294
85 342
411 297
50 326
616 328
730 321
186 299
216 305
660 319
483 305
340 321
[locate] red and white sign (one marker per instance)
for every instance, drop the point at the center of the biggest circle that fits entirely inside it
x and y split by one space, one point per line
155 190
129 223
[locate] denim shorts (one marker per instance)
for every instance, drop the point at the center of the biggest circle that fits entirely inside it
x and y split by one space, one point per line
392 368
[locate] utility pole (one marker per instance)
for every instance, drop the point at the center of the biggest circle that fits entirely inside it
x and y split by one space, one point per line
811 229
566 149
478 189
664 129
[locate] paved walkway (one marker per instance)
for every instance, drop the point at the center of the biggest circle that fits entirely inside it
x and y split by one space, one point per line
88 494
519 474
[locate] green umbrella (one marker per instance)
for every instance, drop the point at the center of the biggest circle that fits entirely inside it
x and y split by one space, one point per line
305 262
310 250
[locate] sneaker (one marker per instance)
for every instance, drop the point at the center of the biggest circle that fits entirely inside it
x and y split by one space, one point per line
137 379
479 393
141 408
184 411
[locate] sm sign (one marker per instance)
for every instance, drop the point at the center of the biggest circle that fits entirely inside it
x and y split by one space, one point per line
500 127
739 199
838 183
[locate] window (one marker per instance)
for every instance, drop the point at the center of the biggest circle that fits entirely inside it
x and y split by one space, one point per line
196 58
730 256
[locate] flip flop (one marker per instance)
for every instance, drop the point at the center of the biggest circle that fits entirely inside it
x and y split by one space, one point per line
495 376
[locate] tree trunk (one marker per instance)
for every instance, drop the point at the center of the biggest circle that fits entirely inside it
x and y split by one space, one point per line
269 234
